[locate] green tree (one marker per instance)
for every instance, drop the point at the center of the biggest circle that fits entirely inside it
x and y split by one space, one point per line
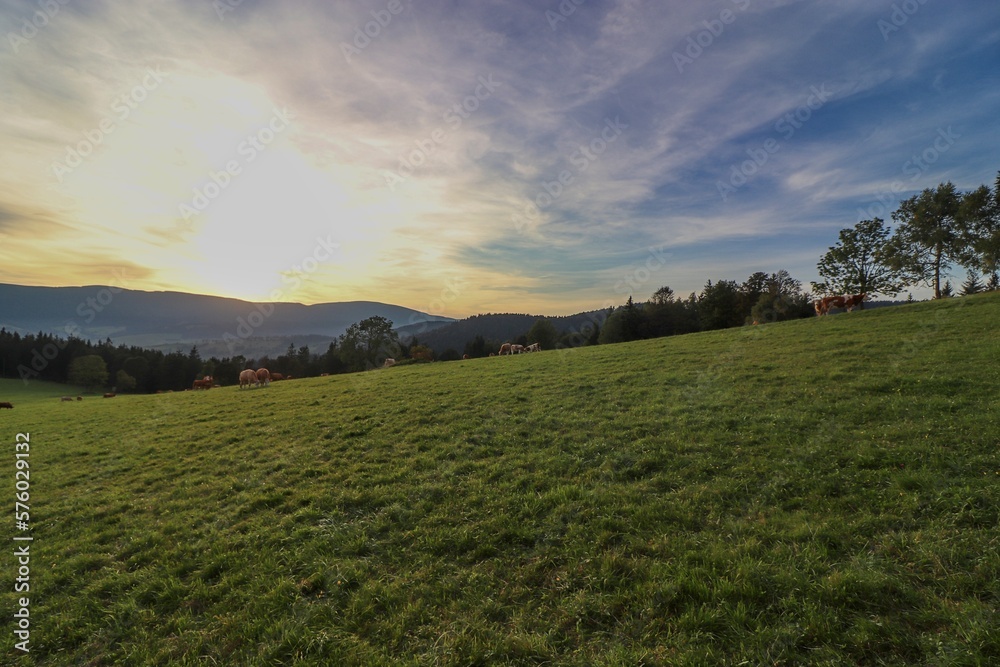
477 348
124 381
931 235
863 261
979 214
368 343
544 333
89 372
719 305
972 284
622 325
667 315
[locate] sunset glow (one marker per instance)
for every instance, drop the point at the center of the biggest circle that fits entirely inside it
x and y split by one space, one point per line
477 160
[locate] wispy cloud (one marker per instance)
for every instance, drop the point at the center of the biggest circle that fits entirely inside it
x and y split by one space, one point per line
518 188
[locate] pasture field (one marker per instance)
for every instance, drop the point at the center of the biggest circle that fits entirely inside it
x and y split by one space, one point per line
817 492
27 394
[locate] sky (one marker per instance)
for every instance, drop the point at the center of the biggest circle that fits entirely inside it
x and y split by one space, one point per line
543 157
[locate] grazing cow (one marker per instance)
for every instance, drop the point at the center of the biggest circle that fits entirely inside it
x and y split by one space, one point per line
505 349
7 405
389 363
516 349
854 300
263 376
79 398
465 356
247 378
205 383
275 377
324 375
824 305
534 347
67 398
110 395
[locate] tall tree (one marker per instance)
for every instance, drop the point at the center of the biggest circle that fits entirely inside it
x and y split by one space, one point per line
864 260
622 325
368 343
979 214
972 284
89 372
931 235
719 305
544 333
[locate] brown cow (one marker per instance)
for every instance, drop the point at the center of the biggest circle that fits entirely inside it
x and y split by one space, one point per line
110 395
389 363
824 305
263 376
854 300
275 377
505 349
205 383
7 405
247 378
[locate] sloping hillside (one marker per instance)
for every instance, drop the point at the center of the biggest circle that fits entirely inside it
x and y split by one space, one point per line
821 491
135 317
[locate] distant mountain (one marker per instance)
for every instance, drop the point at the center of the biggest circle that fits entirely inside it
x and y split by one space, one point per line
177 320
500 328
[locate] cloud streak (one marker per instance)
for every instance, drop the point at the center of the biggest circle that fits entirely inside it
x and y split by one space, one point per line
505 110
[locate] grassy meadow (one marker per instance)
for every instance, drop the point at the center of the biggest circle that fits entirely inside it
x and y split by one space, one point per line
820 492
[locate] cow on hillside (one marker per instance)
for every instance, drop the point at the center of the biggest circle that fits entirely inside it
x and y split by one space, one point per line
247 378
205 383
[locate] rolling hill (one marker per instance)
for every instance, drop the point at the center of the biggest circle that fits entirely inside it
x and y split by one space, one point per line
176 321
820 491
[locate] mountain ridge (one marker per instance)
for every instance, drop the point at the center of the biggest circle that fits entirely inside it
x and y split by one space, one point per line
173 318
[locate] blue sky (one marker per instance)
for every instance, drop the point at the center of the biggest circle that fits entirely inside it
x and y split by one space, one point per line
459 158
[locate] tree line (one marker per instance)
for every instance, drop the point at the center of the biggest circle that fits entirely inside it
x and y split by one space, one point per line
935 230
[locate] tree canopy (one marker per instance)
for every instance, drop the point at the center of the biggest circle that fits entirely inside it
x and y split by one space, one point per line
368 343
863 261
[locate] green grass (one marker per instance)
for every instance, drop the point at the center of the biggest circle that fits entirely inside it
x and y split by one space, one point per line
24 394
820 492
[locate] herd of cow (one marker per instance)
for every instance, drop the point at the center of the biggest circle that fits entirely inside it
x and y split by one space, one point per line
259 378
